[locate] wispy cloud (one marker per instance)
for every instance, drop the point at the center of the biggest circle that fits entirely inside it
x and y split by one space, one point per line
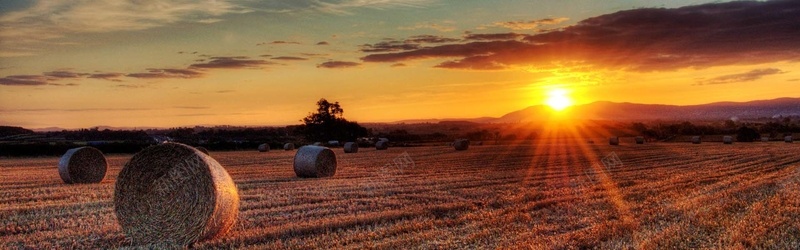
289 58
166 73
443 27
742 77
107 76
22 31
411 43
637 40
64 74
526 25
337 64
231 62
196 70
24 80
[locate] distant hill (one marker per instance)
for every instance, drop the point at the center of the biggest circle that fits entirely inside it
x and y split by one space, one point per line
10 131
613 111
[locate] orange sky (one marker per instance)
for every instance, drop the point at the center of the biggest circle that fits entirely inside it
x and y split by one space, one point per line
184 63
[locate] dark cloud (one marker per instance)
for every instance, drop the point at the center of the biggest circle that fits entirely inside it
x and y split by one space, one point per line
313 54
167 73
399 65
65 84
107 76
323 43
236 62
496 36
388 46
337 64
742 77
639 40
64 74
430 39
24 80
279 42
290 58
411 43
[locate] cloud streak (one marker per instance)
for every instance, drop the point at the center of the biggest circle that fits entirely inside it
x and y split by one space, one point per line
528 25
48 20
24 80
636 40
196 70
231 62
742 77
337 64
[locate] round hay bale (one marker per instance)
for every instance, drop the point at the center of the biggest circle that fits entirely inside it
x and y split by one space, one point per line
461 144
317 144
764 139
727 139
314 162
382 145
613 140
202 149
82 165
174 193
350 147
696 140
788 139
288 146
640 140
263 147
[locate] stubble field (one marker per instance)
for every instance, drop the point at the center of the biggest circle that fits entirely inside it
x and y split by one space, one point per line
557 194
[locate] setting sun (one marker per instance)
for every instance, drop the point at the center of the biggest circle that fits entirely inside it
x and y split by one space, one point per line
558 99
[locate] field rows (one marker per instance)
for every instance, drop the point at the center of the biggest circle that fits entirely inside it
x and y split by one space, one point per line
556 194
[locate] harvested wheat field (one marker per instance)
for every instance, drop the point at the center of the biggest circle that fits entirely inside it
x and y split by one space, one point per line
546 195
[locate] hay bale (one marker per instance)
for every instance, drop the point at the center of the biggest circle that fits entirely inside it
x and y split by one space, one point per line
788 139
764 139
82 165
202 149
173 193
640 140
613 140
696 140
334 143
461 144
382 145
350 147
263 147
288 146
727 139
317 144
314 162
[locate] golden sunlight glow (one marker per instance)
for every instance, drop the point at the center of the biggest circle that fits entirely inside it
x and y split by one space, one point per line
558 99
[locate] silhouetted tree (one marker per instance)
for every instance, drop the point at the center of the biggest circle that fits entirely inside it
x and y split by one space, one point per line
328 123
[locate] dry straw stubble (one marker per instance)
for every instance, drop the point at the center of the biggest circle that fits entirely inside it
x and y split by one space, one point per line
314 162
82 165
173 193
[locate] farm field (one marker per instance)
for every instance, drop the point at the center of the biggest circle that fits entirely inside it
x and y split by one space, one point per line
558 194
